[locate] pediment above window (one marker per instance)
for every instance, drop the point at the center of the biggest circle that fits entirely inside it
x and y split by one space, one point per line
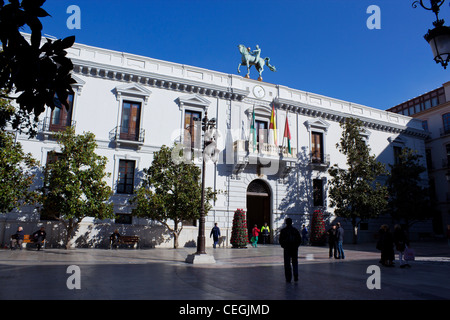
397 140
317 124
132 90
260 111
194 100
78 85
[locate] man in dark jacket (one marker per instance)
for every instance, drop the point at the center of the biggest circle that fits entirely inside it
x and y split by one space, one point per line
340 240
39 236
17 239
332 241
290 241
215 233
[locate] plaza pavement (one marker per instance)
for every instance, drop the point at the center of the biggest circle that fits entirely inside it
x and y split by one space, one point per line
239 274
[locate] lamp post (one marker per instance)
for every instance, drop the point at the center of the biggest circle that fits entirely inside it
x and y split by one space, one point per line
210 151
439 37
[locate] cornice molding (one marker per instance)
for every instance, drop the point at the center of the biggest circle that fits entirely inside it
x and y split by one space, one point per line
338 116
116 73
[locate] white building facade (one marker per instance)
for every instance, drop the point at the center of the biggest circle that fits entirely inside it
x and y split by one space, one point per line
135 104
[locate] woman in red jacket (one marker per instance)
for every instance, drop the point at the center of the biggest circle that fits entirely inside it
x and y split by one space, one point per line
255 234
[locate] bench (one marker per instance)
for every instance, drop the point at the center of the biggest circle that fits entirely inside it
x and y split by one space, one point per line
28 238
128 240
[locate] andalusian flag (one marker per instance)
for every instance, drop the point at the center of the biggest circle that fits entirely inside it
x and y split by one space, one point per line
253 130
273 128
287 134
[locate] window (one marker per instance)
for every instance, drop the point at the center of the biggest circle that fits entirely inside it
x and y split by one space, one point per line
446 122
192 124
60 117
126 176
425 125
130 124
261 132
428 159
397 153
317 147
123 218
317 192
447 149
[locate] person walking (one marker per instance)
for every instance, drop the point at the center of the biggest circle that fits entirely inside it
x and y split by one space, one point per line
265 230
401 242
304 235
340 240
331 233
387 246
255 234
290 241
39 236
215 233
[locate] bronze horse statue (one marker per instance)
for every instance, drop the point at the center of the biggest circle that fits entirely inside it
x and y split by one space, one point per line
248 59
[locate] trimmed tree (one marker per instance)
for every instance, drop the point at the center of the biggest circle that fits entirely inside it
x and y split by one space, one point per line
170 193
317 228
74 186
239 233
355 192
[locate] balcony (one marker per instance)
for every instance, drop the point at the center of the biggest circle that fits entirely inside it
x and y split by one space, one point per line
263 154
319 162
49 127
121 136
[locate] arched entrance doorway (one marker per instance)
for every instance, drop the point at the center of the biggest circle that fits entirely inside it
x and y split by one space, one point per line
258 206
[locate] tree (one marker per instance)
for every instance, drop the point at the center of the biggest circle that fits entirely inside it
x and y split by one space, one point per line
408 200
354 192
74 186
170 192
17 172
239 233
31 74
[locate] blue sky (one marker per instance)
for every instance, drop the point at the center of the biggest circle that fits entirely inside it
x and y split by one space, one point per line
319 46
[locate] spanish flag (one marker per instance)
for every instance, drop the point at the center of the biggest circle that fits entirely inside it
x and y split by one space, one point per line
273 128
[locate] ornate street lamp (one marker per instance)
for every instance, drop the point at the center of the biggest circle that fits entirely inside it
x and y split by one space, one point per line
439 37
210 151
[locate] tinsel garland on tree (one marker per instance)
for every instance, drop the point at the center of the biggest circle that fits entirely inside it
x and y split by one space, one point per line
239 233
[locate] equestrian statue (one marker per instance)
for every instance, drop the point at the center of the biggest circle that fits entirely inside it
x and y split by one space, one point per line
252 58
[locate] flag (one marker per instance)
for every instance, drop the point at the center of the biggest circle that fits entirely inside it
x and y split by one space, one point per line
287 135
253 130
273 128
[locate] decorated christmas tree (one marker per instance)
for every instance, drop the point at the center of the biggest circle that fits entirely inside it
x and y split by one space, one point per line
239 234
318 235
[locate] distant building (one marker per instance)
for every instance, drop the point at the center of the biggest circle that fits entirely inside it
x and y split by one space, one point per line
135 104
433 109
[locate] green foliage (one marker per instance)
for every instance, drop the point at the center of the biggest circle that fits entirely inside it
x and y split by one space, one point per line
74 186
408 200
34 75
354 192
16 174
239 233
170 192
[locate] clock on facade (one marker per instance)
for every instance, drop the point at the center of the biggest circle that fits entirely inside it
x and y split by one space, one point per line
258 91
